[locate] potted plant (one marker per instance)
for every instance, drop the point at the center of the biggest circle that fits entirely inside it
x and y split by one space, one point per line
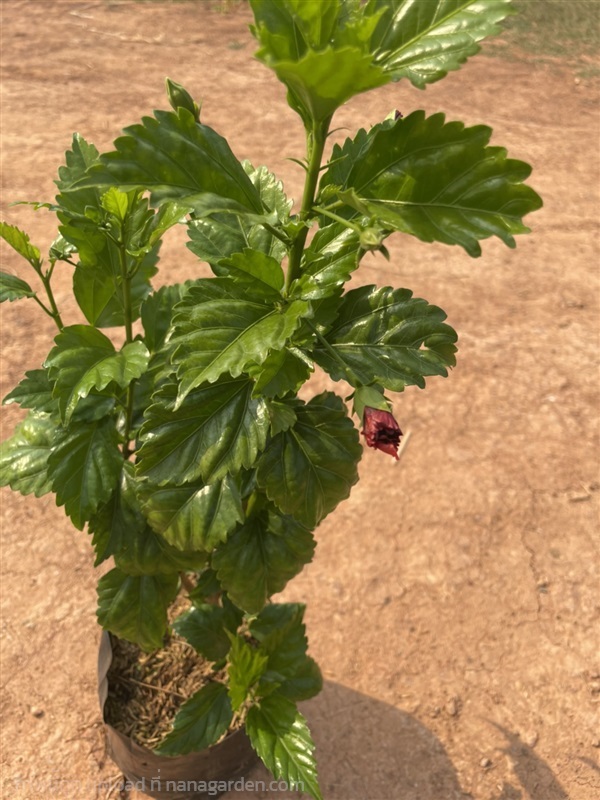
180 440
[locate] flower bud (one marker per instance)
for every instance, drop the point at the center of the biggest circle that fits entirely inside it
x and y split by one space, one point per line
181 98
371 238
381 431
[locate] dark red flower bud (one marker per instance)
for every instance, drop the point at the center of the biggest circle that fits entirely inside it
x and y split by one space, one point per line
381 430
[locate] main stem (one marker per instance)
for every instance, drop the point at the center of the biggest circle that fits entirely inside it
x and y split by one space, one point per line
128 314
315 145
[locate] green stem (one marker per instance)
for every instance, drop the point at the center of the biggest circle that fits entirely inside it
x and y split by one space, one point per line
327 213
315 145
45 279
128 314
350 376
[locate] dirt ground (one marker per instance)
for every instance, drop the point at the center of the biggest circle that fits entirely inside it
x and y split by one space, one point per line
453 603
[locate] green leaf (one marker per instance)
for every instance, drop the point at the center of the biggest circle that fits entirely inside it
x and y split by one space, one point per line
320 50
98 278
200 722
279 734
13 288
194 516
98 287
274 623
35 392
281 633
24 457
217 336
260 557
156 313
245 668
144 552
261 273
282 416
85 359
207 585
306 682
116 202
175 158
116 520
307 470
19 241
281 372
387 336
204 627
423 41
328 262
77 161
435 180
85 466
222 235
144 227
134 607
321 82
218 429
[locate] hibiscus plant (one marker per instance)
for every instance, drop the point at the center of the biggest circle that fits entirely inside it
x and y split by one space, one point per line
180 440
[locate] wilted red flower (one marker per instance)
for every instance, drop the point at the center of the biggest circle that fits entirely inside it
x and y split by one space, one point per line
381 430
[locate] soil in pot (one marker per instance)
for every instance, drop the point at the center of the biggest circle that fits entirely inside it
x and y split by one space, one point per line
140 695
146 690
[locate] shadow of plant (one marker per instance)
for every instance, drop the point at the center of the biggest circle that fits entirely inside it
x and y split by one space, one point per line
533 773
369 750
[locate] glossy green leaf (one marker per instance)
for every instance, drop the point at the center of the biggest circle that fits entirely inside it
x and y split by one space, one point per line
144 552
321 82
282 416
328 262
245 668
222 235
388 336
13 288
218 429
281 372
35 392
320 50
116 203
274 624
85 359
423 41
24 456
98 288
213 337
260 557
19 241
307 470
85 467
435 180
281 632
157 311
134 607
175 158
200 722
261 273
118 519
306 682
204 627
78 159
207 586
194 516
279 734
